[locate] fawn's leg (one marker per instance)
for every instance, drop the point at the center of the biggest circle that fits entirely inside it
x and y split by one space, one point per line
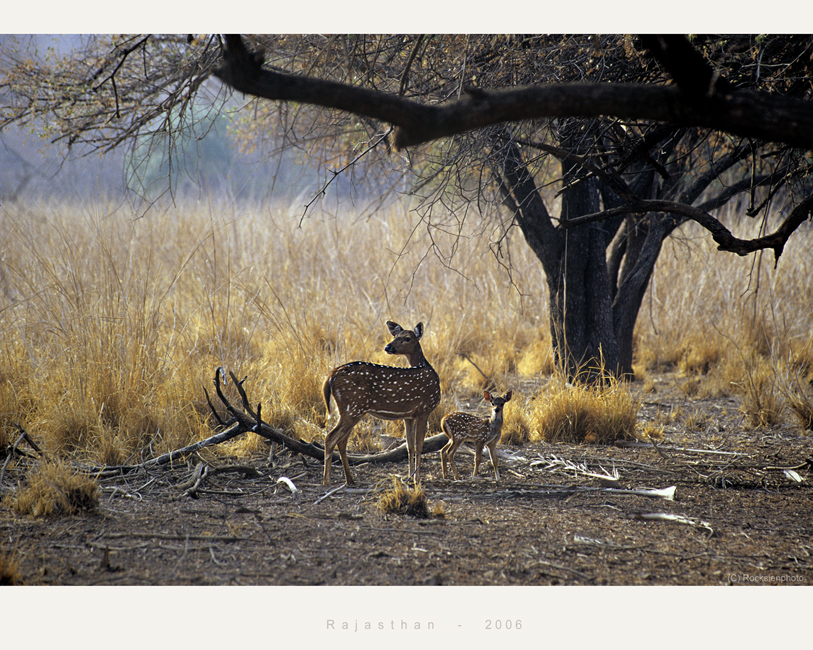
444 456
330 445
478 457
492 452
452 451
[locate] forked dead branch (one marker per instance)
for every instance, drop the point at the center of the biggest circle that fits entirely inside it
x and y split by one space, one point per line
245 419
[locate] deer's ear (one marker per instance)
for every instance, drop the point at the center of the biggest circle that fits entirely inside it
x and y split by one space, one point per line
487 395
418 330
394 328
508 395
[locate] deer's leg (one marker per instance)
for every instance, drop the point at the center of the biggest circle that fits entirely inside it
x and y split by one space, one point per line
419 433
342 445
492 451
409 434
340 433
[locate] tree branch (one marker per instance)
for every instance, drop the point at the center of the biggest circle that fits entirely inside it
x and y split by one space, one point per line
726 241
690 70
741 112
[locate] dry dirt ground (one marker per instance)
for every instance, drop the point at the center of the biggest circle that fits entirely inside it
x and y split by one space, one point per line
737 517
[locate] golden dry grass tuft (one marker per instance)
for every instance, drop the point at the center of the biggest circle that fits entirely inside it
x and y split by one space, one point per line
650 431
54 489
761 401
9 570
582 413
517 426
801 404
401 499
797 393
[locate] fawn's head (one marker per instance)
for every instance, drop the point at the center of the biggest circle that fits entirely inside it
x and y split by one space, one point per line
498 402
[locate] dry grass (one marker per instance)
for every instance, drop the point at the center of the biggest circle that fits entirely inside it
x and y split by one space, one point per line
734 326
801 405
9 570
400 499
581 413
517 427
112 326
761 401
795 389
54 489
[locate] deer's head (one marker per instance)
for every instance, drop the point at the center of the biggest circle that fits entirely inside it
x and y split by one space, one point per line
404 341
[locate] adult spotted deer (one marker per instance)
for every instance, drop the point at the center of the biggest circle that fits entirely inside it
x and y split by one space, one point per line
386 392
483 432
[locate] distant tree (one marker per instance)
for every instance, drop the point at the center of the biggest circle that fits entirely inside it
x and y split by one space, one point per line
640 135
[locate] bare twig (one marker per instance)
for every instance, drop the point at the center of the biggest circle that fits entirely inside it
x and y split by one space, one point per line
15 449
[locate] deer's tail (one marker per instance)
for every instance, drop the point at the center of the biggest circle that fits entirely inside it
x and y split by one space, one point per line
326 391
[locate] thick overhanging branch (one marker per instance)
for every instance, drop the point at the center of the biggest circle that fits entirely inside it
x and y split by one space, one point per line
726 241
745 113
689 69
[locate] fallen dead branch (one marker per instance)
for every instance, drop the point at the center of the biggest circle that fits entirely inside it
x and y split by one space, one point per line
718 466
553 463
675 448
245 419
15 450
679 519
558 491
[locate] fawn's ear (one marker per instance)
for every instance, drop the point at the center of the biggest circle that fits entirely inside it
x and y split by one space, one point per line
418 330
508 395
394 328
487 395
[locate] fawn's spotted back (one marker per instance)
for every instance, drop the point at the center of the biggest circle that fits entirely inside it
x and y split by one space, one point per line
462 427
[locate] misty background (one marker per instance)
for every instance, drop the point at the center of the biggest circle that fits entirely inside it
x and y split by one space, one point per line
205 162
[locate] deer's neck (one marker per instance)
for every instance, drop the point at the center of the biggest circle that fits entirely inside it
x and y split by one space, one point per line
417 360
496 421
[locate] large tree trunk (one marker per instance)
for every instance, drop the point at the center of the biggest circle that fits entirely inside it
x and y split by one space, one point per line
581 294
575 265
644 238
